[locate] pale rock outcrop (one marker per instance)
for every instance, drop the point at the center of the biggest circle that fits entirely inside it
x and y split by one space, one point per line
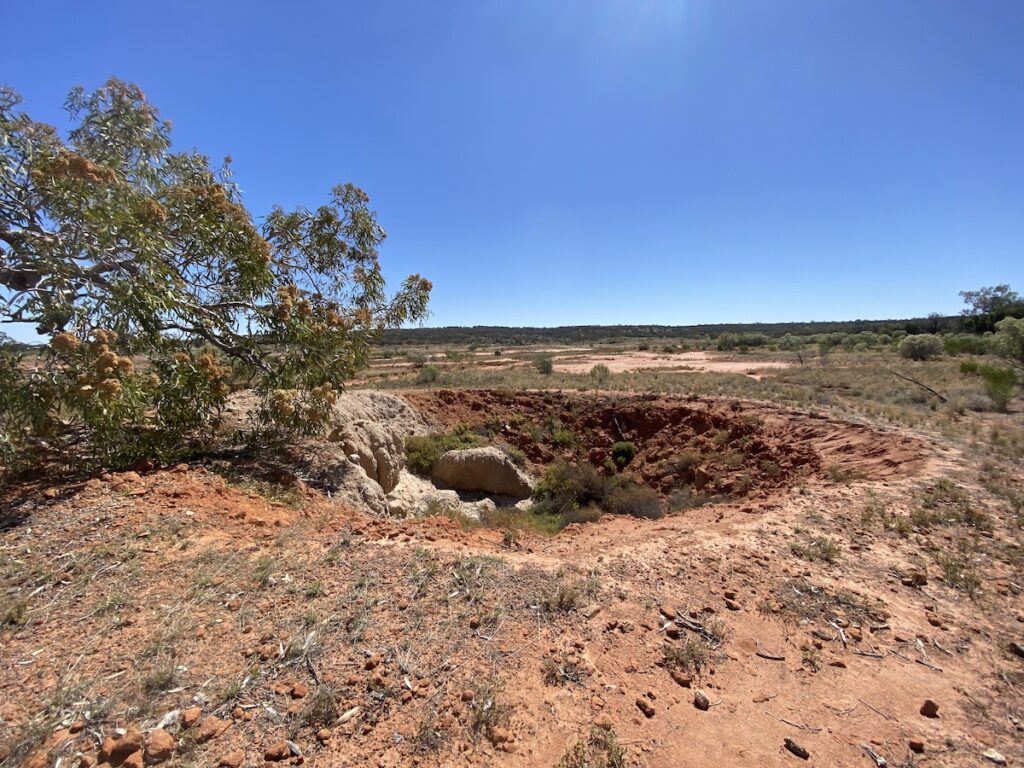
482 469
414 496
417 497
369 425
326 466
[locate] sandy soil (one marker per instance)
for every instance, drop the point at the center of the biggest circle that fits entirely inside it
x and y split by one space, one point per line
683 361
251 631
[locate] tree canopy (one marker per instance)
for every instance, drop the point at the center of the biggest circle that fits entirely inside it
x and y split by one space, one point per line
987 306
115 245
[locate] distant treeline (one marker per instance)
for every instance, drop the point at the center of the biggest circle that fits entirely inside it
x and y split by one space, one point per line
485 335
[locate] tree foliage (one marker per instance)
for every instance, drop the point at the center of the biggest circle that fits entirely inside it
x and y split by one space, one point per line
987 306
157 288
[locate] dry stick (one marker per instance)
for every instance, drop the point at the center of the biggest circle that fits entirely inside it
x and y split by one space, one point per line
926 664
770 656
801 726
880 762
937 645
941 397
869 654
877 712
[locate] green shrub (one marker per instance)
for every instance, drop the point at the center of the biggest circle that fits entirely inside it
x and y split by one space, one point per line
428 375
416 359
969 367
567 488
923 346
623 453
965 343
999 384
544 364
423 451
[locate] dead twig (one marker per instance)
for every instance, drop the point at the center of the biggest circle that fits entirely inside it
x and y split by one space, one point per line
880 761
869 654
876 711
801 726
924 663
768 655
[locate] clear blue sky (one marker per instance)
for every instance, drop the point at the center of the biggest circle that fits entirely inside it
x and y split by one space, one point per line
552 162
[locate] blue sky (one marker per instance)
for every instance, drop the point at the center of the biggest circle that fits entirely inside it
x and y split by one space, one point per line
552 162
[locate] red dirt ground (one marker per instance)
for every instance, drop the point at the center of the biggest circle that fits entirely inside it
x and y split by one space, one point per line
134 599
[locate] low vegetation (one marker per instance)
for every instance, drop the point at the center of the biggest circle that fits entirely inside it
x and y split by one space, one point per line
423 451
568 488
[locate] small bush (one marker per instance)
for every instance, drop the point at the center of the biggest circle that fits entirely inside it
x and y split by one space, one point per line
635 501
544 364
969 367
923 346
600 373
567 486
428 375
999 384
623 453
423 451
819 548
599 750
562 437
588 514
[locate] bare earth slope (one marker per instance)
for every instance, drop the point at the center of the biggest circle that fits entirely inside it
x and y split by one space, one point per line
256 622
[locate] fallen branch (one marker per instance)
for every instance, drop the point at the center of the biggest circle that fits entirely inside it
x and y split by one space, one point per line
942 398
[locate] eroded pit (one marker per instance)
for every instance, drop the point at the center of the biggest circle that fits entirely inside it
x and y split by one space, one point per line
685 447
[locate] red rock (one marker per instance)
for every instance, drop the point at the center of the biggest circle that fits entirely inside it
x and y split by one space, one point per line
232 759
191 716
159 746
211 727
116 749
468 695
916 746
300 691
134 760
323 735
645 706
930 708
681 678
277 751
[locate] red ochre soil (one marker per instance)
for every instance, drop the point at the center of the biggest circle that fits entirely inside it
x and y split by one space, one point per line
241 624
